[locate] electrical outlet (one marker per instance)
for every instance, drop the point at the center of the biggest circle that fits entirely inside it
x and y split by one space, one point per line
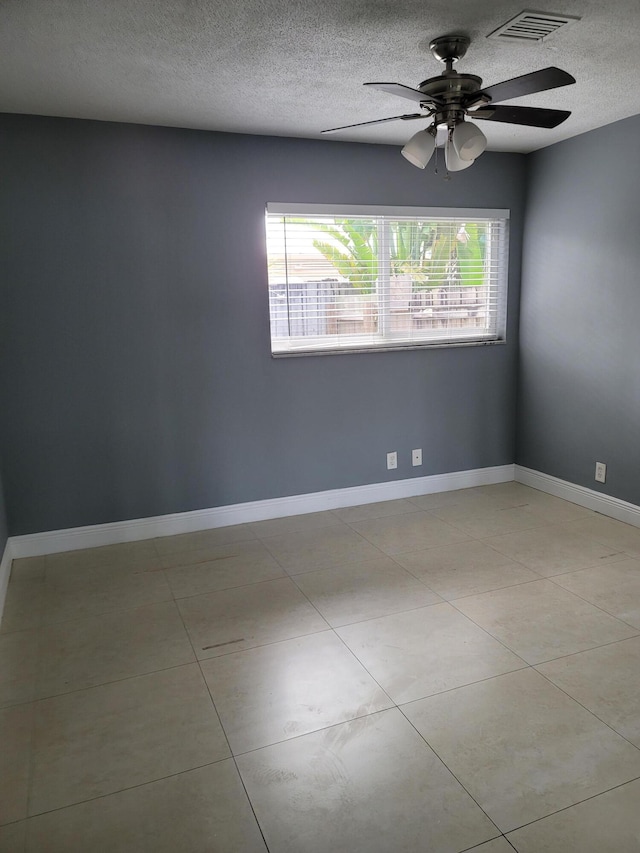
416 457
601 472
392 460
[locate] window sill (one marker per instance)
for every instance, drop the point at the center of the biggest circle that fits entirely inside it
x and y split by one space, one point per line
398 348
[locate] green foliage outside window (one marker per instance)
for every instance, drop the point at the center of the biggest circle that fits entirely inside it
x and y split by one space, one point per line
433 254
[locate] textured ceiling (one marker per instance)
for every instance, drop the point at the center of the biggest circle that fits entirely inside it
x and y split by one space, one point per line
294 67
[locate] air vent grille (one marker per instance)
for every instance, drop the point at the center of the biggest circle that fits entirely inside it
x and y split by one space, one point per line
532 26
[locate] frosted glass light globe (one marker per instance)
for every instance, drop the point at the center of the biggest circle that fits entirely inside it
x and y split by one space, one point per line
451 159
468 140
419 148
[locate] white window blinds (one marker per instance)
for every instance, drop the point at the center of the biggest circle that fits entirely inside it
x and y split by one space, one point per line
359 278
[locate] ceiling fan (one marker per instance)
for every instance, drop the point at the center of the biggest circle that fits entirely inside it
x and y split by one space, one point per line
450 98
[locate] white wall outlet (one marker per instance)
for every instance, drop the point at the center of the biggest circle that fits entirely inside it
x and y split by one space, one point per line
416 457
392 460
601 472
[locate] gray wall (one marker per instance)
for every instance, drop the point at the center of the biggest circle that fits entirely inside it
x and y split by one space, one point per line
3 522
137 370
579 384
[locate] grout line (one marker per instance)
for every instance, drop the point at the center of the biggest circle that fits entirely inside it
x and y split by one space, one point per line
228 588
121 790
493 636
387 615
88 616
351 653
588 710
488 841
265 645
593 604
536 663
584 651
393 707
224 732
402 705
449 770
450 600
571 806
251 806
106 683
31 762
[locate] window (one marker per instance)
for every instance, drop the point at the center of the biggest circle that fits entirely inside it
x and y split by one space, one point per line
351 279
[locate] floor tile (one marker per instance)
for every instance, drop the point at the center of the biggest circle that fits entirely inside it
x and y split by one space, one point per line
28 568
237 619
19 662
466 568
127 555
474 497
224 567
521 747
371 784
201 811
606 682
498 845
512 494
308 550
555 510
382 509
609 822
13 837
280 691
614 534
615 588
409 532
293 523
484 523
559 549
540 621
358 591
426 651
87 652
202 539
23 605
15 737
95 590
246 552
98 741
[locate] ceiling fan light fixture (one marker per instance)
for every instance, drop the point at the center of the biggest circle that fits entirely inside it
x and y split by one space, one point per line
451 159
419 149
468 140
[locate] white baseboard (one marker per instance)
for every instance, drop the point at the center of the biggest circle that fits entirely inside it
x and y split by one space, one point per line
5 572
52 542
589 498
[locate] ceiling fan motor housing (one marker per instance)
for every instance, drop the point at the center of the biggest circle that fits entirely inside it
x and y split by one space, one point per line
450 89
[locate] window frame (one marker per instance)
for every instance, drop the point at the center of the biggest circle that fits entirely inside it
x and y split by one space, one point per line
326 345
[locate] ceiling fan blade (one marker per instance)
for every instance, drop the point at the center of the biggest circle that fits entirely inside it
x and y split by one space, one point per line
376 121
531 116
404 92
528 84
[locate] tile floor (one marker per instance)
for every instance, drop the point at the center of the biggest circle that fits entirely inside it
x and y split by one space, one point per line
449 673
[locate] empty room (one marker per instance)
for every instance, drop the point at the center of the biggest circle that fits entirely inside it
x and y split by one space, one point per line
320 404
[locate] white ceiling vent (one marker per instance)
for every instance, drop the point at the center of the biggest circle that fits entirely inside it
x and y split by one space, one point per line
531 26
